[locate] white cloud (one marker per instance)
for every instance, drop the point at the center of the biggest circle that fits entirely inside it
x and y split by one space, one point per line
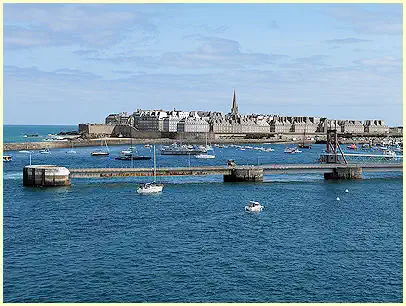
54 24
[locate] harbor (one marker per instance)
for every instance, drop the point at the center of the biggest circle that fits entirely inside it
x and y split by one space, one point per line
203 153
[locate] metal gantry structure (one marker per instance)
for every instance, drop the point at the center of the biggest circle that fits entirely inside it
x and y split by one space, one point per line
335 155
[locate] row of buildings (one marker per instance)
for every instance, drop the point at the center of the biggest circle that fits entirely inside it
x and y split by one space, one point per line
235 123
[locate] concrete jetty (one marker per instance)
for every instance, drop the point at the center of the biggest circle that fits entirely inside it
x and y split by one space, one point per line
46 175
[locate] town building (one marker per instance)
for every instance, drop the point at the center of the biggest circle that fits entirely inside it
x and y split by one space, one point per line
375 127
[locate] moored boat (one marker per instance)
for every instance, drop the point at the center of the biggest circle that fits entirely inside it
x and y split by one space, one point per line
292 150
205 156
151 188
101 152
7 158
176 149
44 151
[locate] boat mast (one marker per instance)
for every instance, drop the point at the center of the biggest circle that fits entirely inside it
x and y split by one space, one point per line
154 166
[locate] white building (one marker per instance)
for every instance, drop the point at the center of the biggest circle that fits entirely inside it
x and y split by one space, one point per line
193 125
375 127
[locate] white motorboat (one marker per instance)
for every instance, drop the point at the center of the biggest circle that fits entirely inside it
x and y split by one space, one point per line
254 206
24 151
269 150
292 150
205 156
44 151
151 188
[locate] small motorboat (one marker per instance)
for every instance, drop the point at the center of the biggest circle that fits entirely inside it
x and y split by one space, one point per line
269 150
292 150
44 151
205 156
7 158
24 151
254 206
147 146
352 147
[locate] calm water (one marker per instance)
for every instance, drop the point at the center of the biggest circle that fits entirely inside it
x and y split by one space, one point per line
15 133
99 241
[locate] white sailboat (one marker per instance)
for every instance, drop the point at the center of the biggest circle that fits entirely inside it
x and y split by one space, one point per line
71 151
150 188
101 152
206 155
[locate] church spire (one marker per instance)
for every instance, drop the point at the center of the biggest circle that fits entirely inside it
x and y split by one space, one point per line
234 109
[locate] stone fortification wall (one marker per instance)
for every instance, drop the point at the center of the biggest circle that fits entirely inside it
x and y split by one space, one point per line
96 130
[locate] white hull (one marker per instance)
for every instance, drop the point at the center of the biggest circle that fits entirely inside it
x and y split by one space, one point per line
205 156
254 209
150 189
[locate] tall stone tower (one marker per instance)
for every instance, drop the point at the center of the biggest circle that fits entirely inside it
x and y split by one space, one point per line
234 109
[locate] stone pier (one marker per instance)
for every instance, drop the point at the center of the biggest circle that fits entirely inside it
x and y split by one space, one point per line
46 176
245 175
344 174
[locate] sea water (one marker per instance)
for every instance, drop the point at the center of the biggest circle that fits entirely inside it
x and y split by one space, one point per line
100 241
21 133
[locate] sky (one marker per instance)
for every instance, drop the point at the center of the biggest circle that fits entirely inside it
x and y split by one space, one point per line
77 63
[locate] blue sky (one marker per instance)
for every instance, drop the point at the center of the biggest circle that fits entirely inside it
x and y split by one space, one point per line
70 64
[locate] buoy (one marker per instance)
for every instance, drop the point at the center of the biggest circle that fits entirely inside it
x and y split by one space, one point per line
346 190
338 199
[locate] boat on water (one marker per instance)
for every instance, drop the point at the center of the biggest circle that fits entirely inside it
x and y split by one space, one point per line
71 151
268 150
389 154
176 149
7 158
130 150
254 206
24 151
352 147
292 150
205 156
101 152
44 151
126 155
31 135
147 146
151 188
305 144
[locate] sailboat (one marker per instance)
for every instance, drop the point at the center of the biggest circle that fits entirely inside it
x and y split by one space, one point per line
304 145
131 154
71 151
205 155
150 188
100 152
